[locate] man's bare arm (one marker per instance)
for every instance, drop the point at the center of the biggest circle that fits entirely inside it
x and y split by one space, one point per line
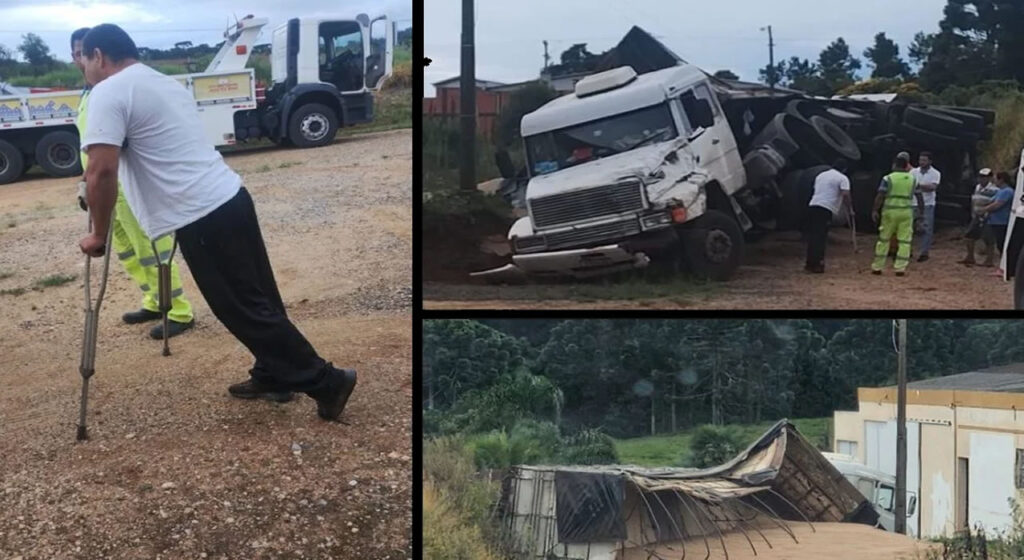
101 185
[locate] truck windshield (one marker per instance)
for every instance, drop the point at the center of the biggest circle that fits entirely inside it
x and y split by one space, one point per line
560 149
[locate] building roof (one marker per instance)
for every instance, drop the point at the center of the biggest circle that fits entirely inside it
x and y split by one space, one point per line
999 379
454 82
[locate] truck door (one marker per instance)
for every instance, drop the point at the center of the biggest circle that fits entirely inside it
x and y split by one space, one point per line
381 48
716 146
341 54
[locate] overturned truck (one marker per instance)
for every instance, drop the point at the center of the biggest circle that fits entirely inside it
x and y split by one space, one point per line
617 512
654 159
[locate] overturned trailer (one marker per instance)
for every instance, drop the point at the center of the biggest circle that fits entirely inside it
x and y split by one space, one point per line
620 512
653 159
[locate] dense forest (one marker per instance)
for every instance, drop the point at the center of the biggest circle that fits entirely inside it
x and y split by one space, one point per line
641 377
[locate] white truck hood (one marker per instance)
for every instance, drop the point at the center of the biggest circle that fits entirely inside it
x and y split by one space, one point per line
640 162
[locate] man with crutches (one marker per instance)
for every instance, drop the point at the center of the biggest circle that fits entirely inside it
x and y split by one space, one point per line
145 124
142 259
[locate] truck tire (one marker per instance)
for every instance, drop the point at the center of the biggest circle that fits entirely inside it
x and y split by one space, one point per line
804 110
312 125
789 214
12 163
972 122
774 134
712 245
58 154
836 138
926 138
762 164
933 121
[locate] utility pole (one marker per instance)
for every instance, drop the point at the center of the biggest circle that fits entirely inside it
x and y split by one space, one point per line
467 96
771 60
547 58
901 433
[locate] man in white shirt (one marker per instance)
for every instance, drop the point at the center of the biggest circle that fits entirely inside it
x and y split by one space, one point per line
928 179
831 193
145 127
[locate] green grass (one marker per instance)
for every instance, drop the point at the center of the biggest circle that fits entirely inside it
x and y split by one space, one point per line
668 450
392 110
288 164
55 280
13 292
5 275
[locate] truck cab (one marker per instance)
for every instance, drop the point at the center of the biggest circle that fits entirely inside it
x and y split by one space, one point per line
334 64
879 488
627 167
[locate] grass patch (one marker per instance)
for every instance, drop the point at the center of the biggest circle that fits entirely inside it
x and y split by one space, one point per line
288 164
55 280
5 275
671 450
13 292
392 110
261 169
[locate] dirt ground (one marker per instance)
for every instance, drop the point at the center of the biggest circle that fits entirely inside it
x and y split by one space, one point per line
175 467
834 541
771 277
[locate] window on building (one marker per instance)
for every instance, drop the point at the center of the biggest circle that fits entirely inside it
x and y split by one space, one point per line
846 447
1019 469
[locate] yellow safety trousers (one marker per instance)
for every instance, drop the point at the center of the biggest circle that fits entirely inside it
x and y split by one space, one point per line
898 222
135 251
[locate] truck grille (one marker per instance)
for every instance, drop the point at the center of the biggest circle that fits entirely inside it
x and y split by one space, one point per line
578 237
584 236
587 205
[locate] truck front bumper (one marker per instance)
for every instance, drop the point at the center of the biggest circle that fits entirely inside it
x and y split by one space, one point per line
576 263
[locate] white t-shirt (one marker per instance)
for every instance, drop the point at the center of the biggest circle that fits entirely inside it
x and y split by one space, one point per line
827 188
933 177
171 175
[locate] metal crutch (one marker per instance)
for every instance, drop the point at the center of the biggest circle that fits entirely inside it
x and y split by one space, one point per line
164 287
853 228
87 366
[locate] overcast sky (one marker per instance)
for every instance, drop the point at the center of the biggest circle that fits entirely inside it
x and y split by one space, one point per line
715 34
161 23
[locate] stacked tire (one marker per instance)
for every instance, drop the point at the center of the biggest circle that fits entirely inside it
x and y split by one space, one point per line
805 139
944 128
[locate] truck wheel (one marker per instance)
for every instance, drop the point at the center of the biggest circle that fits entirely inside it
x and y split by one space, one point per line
933 121
12 163
972 122
836 138
312 125
57 153
926 137
712 245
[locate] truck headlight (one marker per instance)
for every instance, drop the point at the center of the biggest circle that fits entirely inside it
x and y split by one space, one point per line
532 243
656 220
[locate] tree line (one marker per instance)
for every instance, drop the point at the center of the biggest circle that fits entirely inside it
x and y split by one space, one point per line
642 377
977 41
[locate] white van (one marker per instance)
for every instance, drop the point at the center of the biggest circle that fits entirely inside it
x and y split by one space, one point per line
877 486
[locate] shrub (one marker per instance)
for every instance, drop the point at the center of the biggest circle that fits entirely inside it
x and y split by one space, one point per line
590 447
446 534
714 445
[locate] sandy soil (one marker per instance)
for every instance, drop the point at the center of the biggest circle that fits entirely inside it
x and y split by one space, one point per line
771 277
175 468
834 541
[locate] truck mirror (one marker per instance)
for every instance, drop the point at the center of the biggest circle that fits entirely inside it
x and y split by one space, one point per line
504 163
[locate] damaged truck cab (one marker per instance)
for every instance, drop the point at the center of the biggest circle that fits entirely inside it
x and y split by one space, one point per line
626 168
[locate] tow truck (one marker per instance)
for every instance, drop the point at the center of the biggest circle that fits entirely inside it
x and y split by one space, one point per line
324 72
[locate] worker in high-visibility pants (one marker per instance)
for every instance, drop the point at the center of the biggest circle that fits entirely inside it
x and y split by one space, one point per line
894 202
133 247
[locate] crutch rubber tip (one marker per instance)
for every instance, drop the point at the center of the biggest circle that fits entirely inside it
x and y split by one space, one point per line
167 352
82 433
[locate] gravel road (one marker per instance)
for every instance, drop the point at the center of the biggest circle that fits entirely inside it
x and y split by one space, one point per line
175 468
